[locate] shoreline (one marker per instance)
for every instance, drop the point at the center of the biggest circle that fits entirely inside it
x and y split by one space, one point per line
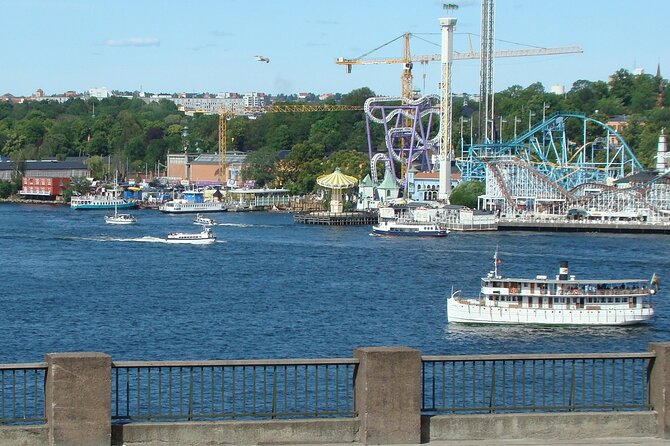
18 200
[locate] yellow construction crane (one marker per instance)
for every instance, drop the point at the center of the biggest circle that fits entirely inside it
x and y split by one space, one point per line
408 59
227 113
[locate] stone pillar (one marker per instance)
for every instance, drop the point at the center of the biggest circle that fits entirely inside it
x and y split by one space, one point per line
659 386
78 399
388 395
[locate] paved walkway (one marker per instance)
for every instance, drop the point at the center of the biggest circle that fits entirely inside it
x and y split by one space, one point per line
632 441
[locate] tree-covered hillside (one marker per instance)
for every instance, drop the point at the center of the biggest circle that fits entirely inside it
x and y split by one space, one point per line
291 149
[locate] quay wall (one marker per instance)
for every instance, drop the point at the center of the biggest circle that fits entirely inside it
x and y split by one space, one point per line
387 388
583 226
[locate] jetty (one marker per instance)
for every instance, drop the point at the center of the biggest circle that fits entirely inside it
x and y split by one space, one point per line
336 218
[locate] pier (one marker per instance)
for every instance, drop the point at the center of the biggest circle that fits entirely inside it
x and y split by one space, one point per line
380 395
336 218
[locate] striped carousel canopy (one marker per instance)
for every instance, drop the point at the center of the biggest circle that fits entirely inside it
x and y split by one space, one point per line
336 180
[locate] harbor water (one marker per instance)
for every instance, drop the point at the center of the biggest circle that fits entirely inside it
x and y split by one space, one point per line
271 288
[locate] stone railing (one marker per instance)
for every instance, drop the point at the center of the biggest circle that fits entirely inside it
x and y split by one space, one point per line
397 399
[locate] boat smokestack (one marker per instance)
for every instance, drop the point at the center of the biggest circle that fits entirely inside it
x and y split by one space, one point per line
661 153
563 270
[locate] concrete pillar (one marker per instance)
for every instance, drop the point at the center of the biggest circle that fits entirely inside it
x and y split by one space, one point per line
659 386
388 395
78 399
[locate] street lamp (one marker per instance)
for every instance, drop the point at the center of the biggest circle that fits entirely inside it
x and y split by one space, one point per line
502 120
530 115
545 106
516 120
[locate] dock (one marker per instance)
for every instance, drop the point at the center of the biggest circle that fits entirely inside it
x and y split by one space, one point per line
336 218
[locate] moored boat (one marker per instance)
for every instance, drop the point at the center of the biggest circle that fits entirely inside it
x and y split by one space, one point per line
100 202
204 237
563 300
409 228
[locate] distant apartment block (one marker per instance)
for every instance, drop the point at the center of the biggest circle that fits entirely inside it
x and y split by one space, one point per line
254 99
100 93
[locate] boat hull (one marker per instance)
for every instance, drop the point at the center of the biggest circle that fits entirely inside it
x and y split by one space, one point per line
471 311
438 233
203 241
119 221
99 206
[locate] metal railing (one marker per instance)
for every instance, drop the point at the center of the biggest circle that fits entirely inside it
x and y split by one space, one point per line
206 390
22 393
536 383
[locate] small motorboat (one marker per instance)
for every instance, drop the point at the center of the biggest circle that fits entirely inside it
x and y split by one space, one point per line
202 220
204 237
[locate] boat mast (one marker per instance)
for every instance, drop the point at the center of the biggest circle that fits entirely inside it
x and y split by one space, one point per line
496 262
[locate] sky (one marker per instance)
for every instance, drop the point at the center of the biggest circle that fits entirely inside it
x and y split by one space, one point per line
170 46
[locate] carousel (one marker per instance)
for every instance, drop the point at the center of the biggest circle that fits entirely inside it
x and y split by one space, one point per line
337 182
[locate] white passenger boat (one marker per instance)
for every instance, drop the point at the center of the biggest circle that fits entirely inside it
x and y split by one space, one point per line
100 202
181 206
563 300
202 220
204 237
409 228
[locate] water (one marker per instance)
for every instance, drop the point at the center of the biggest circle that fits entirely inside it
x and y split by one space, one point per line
270 288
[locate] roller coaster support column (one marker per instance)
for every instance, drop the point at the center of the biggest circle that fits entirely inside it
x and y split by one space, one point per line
447 25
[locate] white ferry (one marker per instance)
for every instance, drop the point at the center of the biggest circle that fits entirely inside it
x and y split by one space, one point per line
564 300
100 202
204 237
181 206
409 228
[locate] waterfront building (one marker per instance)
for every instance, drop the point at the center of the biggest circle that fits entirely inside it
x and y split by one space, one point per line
203 168
43 188
72 167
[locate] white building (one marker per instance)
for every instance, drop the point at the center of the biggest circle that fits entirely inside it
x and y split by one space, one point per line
100 93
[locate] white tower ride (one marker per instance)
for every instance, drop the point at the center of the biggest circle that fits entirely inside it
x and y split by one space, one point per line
661 153
447 25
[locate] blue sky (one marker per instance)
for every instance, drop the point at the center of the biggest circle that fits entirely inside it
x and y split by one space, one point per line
209 45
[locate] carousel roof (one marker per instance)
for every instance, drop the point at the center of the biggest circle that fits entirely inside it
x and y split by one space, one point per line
337 180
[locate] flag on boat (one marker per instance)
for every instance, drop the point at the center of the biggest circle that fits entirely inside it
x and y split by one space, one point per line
654 280
496 258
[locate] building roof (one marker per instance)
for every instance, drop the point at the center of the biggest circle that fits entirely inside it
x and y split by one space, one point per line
214 158
637 178
427 176
387 182
73 163
367 181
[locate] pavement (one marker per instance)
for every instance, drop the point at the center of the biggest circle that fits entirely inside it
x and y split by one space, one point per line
631 441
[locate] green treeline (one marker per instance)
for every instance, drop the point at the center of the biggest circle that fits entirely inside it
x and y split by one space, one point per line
292 149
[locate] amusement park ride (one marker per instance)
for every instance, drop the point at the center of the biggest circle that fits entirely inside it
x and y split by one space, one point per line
541 170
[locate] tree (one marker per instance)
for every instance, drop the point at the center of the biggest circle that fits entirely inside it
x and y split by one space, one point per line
467 193
96 166
260 166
